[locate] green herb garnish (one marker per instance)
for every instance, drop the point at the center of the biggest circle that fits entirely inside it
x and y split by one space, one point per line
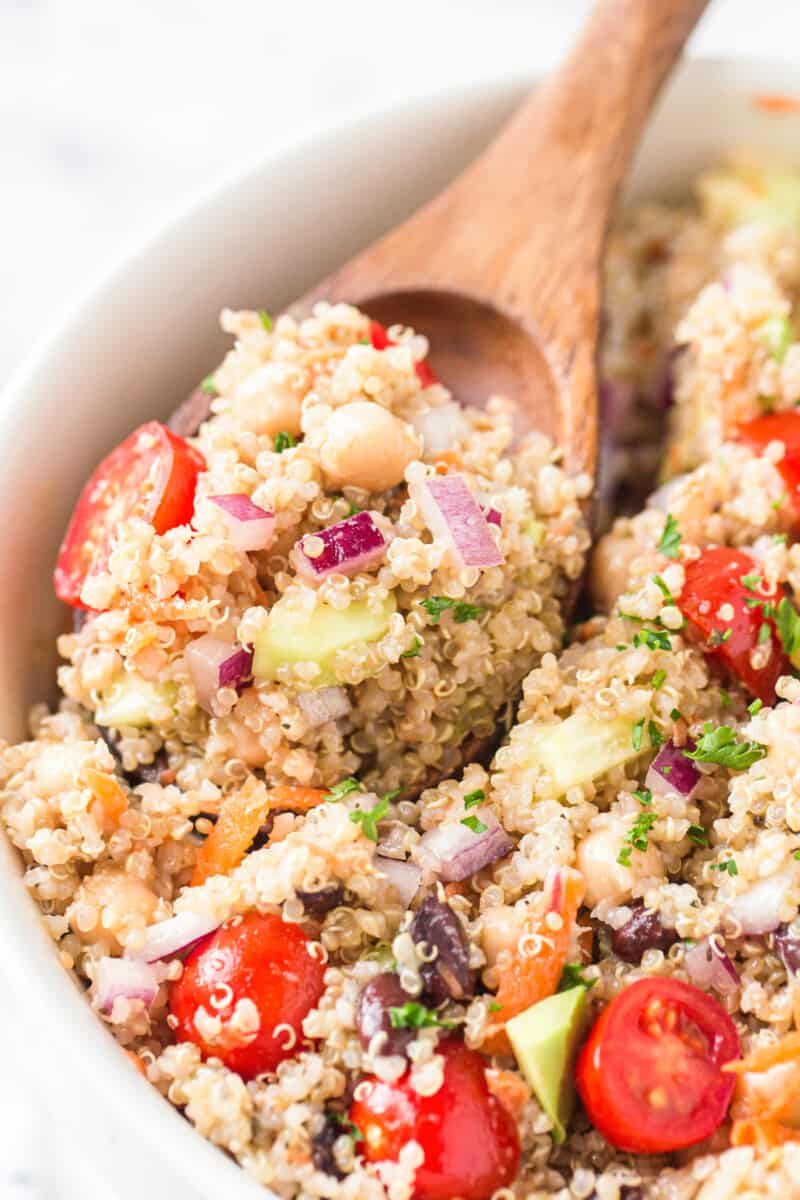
656 737
788 621
495 1007
658 679
636 837
670 540
209 386
283 441
572 976
473 798
751 581
368 818
462 611
636 734
755 707
698 835
654 639
729 866
663 588
415 649
717 637
475 824
343 788
776 334
644 796
413 1015
721 746
266 320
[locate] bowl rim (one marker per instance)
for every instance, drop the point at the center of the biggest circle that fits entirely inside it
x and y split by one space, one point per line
30 952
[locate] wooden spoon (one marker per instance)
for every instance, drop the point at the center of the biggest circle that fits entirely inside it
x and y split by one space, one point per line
502 270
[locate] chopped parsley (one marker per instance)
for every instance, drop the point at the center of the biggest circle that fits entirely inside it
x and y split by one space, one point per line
474 823
776 334
654 639
779 538
209 386
755 707
664 589
636 735
572 976
720 746
729 865
636 837
670 540
658 679
368 818
764 633
644 796
353 509
788 621
413 1015
462 611
776 504
796 855
698 835
352 1131
415 649
724 698
343 788
656 738
718 637
676 715
495 1007
473 798
751 581
283 441
266 320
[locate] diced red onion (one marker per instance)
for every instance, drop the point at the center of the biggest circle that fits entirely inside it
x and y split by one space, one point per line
708 965
494 517
250 527
454 852
404 876
787 944
214 663
672 771
758 910
115 977
347 547
170 937
452 514
324 704
441 428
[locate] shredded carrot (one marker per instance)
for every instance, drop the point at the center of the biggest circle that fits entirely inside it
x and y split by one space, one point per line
766 1106
538 964
446 460
241 815
295 799
137 1062
108 792
512 1092
776 102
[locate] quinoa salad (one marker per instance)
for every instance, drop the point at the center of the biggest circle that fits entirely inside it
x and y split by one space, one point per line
399 879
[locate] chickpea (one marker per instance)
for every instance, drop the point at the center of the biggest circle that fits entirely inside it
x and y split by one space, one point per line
502 928
611 568
607 879
366 446
109 903
270 400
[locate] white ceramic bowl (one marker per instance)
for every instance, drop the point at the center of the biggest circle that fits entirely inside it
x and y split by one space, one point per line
129 352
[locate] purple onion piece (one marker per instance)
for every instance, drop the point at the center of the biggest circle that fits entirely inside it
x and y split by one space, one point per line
347 547
169 938
494 517
115 977
454 517
709 966
787 944
404 876
672 771
448 975
235 670
455 852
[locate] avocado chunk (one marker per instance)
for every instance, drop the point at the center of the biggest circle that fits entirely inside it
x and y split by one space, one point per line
291 637
132 700
545 1040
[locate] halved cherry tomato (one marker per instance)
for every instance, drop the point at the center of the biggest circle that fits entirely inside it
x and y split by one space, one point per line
153 475
469 1139
778 427
259 958
714 580
650 1073
380 339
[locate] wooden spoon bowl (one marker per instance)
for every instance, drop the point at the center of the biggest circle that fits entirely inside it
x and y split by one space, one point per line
503 270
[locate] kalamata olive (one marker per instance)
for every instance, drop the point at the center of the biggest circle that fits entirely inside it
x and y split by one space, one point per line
191 413
323 900
322 1143
381 994
448 976
642 931
787 944
145 772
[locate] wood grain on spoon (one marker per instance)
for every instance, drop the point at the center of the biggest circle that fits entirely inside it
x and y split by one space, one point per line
502 270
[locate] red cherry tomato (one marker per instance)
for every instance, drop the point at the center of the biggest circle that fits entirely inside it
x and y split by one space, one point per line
380 340
714 580
260 958
152 474
778 427
469 1139
650 1073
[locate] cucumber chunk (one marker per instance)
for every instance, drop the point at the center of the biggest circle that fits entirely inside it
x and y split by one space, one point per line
290 638
581 748
132 700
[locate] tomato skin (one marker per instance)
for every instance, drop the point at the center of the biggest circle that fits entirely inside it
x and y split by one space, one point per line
153 475
380 339
261 958
470 1140
714 579
778 427
650 1091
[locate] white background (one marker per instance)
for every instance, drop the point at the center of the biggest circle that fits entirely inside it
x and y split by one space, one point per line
113 111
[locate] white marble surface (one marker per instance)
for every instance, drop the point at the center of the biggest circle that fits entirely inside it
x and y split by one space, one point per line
113 111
